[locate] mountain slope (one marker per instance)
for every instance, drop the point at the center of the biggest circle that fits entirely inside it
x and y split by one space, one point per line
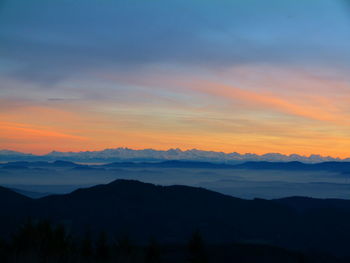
343 167
172 213
11 198
13 208
176 210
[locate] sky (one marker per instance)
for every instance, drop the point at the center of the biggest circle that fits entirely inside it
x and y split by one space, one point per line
223 75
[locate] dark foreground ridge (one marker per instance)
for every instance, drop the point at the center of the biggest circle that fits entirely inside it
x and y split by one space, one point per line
170 214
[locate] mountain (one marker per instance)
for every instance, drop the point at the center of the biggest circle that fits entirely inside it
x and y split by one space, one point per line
172 213
13 209
275 166
7 156
170 164
342 167
9 198
41 164
14 153
30 194
339 167
151 155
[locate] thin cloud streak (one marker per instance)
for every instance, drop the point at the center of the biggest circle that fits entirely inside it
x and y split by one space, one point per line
311 108
246 76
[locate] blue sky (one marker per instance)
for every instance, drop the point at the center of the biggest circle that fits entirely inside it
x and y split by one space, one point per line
168 69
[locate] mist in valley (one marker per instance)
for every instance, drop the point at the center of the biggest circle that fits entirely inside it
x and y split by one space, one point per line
37 181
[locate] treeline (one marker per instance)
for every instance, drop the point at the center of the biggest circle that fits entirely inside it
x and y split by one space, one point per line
43 242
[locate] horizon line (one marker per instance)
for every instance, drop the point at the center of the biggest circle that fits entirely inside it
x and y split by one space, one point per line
182 150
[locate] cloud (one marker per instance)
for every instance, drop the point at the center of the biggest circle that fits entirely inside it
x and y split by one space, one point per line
311 107
191 73
15 130
55 40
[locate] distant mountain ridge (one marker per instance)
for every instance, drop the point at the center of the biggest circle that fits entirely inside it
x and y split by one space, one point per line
126 154
341 167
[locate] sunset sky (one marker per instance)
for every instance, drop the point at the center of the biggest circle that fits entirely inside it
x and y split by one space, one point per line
224 75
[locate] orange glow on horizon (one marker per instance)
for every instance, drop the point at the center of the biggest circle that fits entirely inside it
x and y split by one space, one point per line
218 117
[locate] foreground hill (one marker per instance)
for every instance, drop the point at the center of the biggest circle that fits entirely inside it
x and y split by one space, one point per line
172 213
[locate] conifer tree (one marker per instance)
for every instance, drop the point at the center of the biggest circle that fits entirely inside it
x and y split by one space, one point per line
196 249
86 248
124 249
102 248
152 254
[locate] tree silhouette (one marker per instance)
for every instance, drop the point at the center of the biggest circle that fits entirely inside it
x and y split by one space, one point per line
86 248
102 248
302 258
41 243
196 249
152 254
124 249
3 249
61 244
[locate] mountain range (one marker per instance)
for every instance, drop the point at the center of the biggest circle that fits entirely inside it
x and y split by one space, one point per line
126 154
339 167
171 213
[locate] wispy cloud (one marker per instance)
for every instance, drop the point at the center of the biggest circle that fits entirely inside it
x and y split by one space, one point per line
91 35
248 76
311 107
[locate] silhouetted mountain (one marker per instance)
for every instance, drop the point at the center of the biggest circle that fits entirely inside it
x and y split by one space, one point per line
170 164
334 166
304 204
171 213
296 166
86 168
30 194
36 164
274 166
14 166
13 209
339 167
60 163
9 197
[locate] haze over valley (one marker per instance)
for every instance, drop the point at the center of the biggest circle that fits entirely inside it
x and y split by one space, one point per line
245 180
